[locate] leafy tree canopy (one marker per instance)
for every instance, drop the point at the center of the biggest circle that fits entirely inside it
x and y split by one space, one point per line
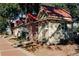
8 10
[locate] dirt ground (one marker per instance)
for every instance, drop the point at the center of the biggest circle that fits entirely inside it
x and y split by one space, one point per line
54 50
58 50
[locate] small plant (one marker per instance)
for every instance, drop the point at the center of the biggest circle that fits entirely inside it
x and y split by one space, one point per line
78 29
3 25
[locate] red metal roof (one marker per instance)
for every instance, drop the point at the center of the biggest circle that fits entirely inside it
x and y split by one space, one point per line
60 11
63 13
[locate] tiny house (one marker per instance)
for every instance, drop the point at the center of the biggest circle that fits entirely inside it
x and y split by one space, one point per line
54 26
49 25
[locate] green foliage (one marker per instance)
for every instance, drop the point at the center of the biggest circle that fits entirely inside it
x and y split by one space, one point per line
3 24
73 9
58 5
8 10
78 29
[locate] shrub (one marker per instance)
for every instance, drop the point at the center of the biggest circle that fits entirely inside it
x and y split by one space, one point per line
3 25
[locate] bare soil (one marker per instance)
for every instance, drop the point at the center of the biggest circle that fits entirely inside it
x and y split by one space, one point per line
53 50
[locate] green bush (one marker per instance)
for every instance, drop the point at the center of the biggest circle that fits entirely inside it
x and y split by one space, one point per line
3 25
78 29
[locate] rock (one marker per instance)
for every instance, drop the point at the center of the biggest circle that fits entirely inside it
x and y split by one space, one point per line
17 45
27 42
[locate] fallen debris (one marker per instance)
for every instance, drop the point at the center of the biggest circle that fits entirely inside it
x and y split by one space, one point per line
17 44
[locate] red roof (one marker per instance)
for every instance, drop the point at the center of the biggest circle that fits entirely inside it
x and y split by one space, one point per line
60 11
63 13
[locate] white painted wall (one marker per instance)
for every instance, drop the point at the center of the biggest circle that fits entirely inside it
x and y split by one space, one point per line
52 27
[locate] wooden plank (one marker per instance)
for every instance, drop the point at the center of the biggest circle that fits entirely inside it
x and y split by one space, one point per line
51 18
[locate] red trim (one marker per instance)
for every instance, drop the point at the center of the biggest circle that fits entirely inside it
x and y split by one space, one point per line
31 16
